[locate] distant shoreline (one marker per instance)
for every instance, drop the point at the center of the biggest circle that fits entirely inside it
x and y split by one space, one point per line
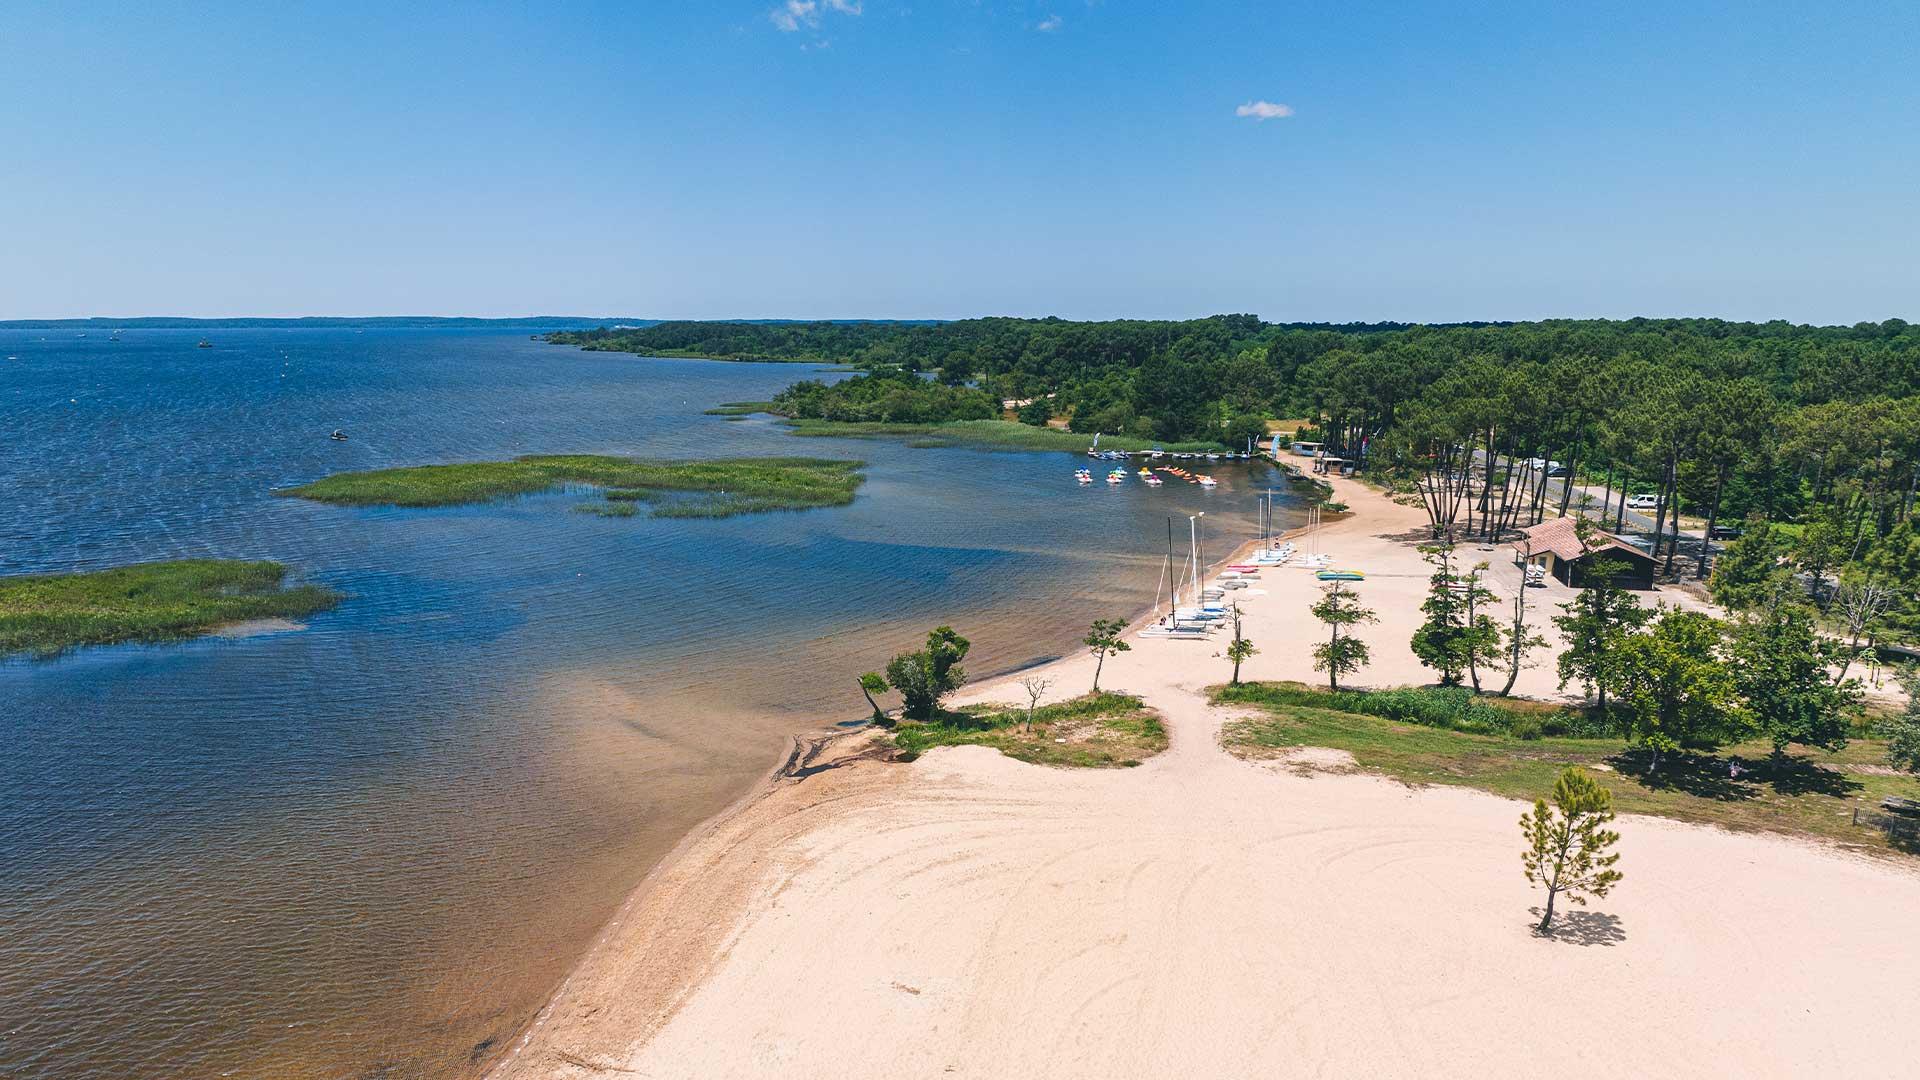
323 322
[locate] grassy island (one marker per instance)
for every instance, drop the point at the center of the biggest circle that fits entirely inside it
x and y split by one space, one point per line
48 614
1517 748
718 488
1100 731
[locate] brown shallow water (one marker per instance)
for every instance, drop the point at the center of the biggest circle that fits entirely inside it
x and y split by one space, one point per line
372 847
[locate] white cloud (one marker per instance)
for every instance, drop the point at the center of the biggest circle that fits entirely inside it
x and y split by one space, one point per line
1264 110
795 14
805 14
1051 22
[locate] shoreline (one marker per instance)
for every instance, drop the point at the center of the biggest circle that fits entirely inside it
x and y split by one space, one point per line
788 935
839 746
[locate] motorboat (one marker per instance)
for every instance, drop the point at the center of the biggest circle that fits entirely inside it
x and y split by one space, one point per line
338 435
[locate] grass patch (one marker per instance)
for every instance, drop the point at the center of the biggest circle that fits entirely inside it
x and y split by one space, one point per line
740 408
1805 794
991 434
1094 731
1452 708
48 614
718 488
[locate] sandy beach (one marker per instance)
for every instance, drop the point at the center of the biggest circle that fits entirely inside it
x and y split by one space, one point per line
1204 916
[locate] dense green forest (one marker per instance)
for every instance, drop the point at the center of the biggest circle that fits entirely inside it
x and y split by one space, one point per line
1808 436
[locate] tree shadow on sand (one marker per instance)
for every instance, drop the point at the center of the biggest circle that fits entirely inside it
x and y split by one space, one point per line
1579 927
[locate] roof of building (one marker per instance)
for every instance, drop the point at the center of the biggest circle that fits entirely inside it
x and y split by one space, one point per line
1560 537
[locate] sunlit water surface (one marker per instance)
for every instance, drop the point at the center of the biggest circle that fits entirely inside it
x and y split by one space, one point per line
372 847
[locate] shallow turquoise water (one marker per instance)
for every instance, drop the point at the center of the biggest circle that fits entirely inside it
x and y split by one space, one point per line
373 846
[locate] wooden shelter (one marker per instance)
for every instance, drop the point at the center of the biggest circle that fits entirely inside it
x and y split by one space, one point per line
1555 547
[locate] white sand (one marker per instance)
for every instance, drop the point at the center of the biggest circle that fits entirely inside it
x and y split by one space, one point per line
1202 916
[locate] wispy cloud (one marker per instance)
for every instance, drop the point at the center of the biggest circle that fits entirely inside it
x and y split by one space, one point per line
1049 24
1264 110
805 14
795 14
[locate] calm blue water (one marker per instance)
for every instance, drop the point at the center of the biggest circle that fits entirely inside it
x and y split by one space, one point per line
373 846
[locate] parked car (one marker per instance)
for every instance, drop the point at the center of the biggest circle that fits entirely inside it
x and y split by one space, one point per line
1726 532
1642 502
1558 470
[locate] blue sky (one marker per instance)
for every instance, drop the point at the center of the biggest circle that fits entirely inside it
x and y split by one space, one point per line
946 158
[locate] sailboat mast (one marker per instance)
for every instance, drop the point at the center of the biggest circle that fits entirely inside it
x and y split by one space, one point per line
1173 587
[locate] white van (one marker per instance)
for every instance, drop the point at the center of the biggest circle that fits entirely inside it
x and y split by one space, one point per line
1642 502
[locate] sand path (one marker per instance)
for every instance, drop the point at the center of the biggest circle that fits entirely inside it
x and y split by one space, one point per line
1200 916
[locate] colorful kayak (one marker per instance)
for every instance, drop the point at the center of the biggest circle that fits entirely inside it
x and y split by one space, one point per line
1340 575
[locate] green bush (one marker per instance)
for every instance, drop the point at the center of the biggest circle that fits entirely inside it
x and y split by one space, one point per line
1453 708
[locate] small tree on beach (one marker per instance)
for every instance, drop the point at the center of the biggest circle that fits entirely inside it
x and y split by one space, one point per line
1481 637
1036 688
1567 842
1520 639
1341 654
1104 638
1240 648
873 683
1441 641
926 676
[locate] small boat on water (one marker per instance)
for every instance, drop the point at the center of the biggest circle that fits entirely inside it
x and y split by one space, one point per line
1205 481
204 344
338 435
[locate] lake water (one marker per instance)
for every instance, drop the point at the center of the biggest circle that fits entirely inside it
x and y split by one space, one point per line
372 847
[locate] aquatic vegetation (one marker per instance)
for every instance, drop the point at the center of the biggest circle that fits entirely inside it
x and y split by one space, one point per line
718 488
48 614
739 408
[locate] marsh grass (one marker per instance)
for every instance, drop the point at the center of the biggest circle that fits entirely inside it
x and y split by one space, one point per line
48 614
1742 787
739 408
1097 731
718 488
991 434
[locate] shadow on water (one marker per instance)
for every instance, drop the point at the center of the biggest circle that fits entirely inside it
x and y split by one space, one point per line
1581 927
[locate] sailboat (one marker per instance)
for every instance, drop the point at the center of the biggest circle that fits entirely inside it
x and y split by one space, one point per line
1200 610
1171 626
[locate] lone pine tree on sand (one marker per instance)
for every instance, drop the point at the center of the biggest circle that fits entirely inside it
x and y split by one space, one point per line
1104 638
1241 648
1567 842
1342 653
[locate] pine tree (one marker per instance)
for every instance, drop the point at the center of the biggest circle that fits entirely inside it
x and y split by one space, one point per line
1441 642
1567 842
1104 639
1596 623
1342 654
1240 648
